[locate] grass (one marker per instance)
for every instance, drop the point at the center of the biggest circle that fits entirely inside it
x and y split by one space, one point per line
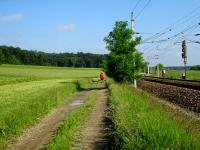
24 104
177 74
139 124
28 93
11 74
66 136
43 67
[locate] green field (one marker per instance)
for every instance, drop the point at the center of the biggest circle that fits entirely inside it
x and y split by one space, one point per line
30 92
177 74
137 120
10 74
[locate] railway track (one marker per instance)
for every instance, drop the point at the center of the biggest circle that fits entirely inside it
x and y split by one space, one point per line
185 93
190 84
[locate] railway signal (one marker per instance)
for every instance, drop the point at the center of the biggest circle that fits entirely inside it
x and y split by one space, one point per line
184 56
184 49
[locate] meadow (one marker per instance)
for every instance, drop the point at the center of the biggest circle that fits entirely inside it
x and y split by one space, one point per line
177 74
10 74
28 93
139 122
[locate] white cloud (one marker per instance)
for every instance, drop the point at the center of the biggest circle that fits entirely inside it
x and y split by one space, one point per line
11 18
66 27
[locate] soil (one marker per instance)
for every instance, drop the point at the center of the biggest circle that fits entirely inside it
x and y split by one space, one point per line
38 136
94 135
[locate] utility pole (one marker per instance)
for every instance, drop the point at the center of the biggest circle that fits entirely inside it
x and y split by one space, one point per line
148 70
132 27
158 71
132 22
184 56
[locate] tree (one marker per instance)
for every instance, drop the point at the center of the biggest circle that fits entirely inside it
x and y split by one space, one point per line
160 66
124 62
196 67
12 55
1 57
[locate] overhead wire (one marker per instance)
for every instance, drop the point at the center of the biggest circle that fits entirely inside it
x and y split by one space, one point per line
191 28
169 28
136 6
163 50
180 22
142 10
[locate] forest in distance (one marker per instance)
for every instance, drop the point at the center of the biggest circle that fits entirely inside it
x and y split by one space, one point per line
18 56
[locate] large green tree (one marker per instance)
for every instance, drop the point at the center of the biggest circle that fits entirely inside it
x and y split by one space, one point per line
124 62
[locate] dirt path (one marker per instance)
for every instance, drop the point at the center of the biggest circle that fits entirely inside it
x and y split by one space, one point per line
36 137
94 135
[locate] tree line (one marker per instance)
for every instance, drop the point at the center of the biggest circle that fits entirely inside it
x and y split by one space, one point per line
196 67
18 56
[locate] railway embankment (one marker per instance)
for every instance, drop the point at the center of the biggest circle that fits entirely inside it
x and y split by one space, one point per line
174 91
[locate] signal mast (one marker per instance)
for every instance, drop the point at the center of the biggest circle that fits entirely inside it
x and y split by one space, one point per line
184 57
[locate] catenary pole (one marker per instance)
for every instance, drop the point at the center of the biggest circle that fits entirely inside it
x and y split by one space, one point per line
132 27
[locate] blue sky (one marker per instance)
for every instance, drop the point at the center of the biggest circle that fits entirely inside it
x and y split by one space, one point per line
81 25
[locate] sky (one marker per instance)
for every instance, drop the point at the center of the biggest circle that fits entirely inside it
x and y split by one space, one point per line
81 25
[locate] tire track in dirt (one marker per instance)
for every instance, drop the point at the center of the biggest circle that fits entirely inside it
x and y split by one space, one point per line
38 136
94 135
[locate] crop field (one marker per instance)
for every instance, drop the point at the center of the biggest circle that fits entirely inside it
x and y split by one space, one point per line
27 93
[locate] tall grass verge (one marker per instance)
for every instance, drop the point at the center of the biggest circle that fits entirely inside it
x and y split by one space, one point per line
138 124
67 133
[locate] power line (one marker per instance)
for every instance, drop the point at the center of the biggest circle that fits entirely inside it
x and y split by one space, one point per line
144 33
188 28
193 15
176 35
143 9
185 30
163 50
136 5
169 28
